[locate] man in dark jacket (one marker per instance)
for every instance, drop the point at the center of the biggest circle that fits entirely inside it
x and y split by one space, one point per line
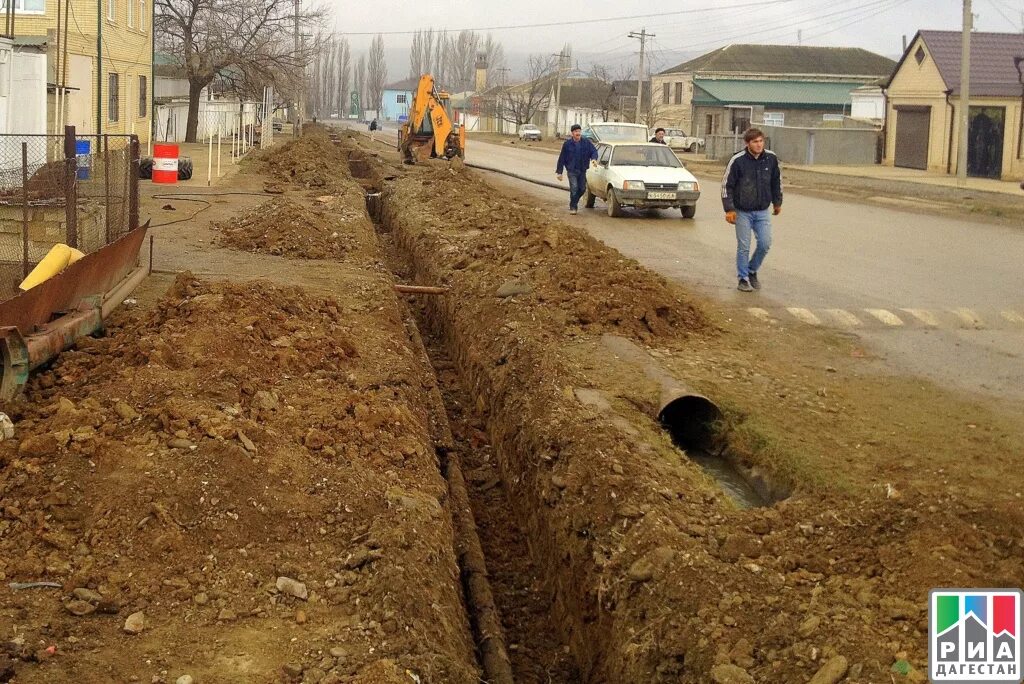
659 136
752 183
577 155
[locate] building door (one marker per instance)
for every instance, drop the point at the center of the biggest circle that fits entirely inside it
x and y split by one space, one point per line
913 125
985 142
81 95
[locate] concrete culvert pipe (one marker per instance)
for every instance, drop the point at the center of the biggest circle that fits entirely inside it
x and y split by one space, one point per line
688 417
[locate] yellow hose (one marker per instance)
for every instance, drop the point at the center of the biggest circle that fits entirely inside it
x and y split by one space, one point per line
56 260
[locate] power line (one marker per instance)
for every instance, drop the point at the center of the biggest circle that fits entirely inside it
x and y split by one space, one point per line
575 22
787 26
1003 14
859 19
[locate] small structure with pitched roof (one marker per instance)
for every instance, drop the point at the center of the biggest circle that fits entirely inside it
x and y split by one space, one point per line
734 86
924 101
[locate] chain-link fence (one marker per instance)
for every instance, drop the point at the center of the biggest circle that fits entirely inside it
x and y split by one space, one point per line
78 190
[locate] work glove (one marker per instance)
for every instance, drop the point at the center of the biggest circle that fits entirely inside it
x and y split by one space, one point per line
730 217
776 209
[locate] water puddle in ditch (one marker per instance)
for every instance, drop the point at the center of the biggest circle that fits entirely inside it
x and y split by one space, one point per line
732 482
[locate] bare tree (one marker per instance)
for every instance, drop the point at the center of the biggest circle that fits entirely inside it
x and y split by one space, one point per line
376 73
519 104
344 76
360 83
493 53
238 40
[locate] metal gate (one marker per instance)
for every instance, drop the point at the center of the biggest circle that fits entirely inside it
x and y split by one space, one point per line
985 142
913 125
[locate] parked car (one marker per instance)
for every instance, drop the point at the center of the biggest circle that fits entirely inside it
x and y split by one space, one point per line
642 175
610 131
676 138
529 132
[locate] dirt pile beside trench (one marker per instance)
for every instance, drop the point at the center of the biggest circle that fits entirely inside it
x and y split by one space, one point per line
655 576
287 227
250 468
312 161
501 248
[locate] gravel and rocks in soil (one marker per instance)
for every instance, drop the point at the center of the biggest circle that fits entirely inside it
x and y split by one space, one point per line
653 574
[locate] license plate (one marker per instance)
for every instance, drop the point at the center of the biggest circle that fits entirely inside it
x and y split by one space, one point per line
661 195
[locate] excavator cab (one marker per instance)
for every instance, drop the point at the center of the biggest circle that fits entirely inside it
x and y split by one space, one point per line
430 132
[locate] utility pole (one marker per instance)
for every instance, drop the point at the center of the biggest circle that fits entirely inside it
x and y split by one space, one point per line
965 96
643 36
295 53
558 87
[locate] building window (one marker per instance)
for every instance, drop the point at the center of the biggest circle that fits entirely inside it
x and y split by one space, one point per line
679 93
26 6
142 96
130 7
919 55
113 97
666 93
111 10
774 119
832 117
400 98
142 15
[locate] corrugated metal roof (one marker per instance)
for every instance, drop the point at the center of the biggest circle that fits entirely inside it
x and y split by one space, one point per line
992 71
792 93
788 59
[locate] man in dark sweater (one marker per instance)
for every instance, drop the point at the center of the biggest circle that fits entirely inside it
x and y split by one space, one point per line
752 183
577 155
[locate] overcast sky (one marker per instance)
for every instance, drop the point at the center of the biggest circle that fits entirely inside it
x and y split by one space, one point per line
688 26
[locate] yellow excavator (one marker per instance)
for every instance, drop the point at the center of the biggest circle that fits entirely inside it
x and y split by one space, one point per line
429 132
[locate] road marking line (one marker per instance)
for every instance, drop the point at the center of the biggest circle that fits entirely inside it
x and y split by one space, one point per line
887 317
760 314
967 317
804 315
923 315
1012 316
844 317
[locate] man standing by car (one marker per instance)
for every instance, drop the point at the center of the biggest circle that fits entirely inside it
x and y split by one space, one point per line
752 183
577 155
659 136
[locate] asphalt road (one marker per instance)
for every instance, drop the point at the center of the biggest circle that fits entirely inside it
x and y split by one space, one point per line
938 297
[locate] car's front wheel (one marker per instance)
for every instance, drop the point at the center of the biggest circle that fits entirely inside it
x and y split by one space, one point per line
688 212
614 207
693 147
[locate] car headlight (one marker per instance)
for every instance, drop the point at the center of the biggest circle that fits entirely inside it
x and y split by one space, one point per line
688 186
633 185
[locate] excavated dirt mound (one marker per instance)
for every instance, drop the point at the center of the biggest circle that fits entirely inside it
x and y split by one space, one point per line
312 161
503 248
249 467
286 227
655 575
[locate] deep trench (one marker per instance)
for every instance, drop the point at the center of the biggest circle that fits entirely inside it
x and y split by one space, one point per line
535 646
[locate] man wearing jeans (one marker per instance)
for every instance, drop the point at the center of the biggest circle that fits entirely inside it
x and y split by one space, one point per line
752 183
577 155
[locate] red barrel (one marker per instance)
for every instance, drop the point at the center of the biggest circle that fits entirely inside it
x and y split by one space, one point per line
165 163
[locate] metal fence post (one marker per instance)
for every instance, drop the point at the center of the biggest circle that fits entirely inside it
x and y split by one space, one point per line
133 185
24 209
106 185
70 186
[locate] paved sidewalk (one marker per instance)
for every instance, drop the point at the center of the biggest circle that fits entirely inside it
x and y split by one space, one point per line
889 173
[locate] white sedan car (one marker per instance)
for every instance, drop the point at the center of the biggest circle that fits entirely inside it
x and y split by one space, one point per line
641 175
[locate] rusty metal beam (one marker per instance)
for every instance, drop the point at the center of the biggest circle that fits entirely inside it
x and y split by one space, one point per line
94 274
